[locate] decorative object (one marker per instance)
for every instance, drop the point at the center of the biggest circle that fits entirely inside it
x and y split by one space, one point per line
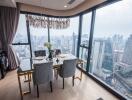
57 60
45 22
48 45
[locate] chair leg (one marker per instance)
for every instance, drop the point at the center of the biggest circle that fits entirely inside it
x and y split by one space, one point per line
51 86
63 83
25 77
56 73
37 91
73 77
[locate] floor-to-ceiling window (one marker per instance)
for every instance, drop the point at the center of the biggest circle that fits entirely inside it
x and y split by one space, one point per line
27 35
21 42
85 32
66 39
111 58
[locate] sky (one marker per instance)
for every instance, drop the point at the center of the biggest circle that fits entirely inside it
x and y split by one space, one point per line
112 19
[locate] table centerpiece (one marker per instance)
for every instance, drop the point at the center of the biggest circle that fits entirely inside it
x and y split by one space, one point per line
49 45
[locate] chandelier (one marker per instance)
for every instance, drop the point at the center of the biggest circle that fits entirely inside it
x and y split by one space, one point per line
48 22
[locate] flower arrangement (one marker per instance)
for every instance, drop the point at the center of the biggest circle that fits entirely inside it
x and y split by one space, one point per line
48 45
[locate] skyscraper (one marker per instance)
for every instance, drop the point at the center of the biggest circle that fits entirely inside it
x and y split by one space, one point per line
73 43
102 58
127 55
97 56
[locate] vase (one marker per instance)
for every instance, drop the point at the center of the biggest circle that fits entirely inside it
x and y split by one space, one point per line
50 55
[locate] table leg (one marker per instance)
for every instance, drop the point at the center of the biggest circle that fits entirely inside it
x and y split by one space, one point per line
81 72
20 88
29 78
80 78
56 73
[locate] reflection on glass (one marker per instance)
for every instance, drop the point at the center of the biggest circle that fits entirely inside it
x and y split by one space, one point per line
25 64
23 51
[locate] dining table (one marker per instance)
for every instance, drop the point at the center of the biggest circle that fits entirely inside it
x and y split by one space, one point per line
28 70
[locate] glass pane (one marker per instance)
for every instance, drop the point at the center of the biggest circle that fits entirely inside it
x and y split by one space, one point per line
38 37
83 54
21 34
66 39
112 47
25 64
23 51
86 29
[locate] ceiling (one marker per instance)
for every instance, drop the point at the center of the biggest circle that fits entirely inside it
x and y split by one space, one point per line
53 7
9 3
53 4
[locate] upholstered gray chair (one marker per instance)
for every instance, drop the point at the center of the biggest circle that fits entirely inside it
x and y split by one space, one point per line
43 73
68 70
57 51
39 53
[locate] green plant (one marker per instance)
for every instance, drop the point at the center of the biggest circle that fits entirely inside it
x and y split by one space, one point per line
48 45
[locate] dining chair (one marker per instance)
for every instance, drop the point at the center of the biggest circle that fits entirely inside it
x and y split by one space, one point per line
57 51
40 53
43 73
68 70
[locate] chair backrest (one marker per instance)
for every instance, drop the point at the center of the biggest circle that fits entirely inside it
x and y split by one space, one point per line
40 53
57 51
68 68
43 73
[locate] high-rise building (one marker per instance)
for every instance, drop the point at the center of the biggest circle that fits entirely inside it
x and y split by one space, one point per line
73 43
117 42
97 53
118 45
102 58
127 55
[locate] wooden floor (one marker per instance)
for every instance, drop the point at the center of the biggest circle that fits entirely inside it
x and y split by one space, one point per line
87 89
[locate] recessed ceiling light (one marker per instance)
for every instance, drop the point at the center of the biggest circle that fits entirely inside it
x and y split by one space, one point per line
65 6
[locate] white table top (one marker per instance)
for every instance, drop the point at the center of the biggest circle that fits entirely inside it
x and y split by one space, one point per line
61 58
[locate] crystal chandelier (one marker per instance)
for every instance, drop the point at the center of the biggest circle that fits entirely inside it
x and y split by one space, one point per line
45 22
